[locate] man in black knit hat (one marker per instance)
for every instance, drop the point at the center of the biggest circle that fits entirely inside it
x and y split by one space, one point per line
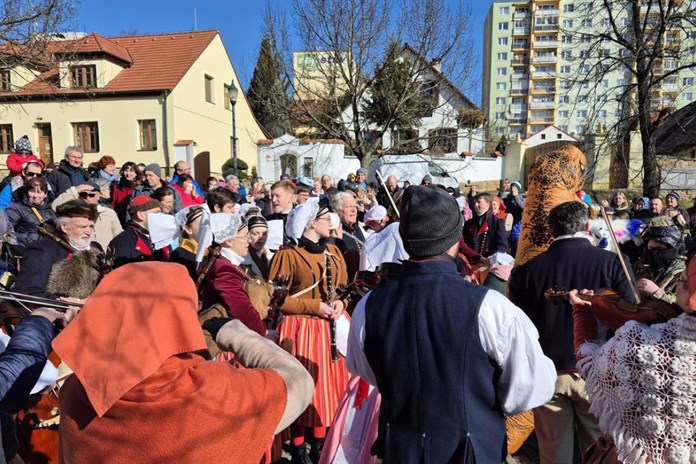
448 357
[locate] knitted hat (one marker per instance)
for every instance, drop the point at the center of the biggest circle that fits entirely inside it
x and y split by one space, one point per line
376 213
427 178
154 168
674 195
361 171
430 221
143 203
23 146
516 184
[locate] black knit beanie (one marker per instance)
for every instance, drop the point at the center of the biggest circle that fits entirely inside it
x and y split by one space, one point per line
430 221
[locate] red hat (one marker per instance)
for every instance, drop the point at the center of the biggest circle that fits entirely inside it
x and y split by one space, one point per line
143 203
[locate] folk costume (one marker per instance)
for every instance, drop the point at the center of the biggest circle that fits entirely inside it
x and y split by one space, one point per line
486 234
257 262
310 285
467 354
169 231
224 282
133 350
134 243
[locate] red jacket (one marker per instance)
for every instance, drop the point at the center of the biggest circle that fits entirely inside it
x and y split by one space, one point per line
225 285
186 198
120 199
15 162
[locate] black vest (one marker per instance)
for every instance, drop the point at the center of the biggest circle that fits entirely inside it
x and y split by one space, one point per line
437 383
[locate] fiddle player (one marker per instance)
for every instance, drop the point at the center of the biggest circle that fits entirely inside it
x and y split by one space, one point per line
142 391
75 227
572 261
134 243
654 378
466 354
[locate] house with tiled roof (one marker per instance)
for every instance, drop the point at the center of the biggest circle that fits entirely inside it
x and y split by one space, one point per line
133 98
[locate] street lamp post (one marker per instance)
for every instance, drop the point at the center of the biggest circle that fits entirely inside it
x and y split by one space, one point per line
233 101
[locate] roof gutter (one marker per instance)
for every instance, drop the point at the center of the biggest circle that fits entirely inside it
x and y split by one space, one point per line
165 132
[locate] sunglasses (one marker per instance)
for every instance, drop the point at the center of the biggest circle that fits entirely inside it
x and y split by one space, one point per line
88 194
33 174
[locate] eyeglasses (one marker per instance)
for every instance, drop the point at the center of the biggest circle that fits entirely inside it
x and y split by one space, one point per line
33 174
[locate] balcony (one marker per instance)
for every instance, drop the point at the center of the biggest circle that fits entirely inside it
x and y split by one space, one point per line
520 61
546 44
545 59
542 105
520 45
547 12
521 15
517 121
671 87
522 30
545 27
543 90
519 91
520 77
541 119
545 74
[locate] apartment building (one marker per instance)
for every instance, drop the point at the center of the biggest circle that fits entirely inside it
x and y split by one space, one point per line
546 63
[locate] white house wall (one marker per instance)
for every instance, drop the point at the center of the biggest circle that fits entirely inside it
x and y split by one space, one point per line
471 169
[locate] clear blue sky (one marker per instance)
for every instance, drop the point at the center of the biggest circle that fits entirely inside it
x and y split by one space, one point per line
239 23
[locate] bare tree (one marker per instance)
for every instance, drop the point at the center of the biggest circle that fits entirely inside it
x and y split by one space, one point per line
345 43
629 57
30 33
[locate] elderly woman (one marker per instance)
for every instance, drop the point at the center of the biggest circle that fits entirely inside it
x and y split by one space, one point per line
29 209
107 169
316 269
642 382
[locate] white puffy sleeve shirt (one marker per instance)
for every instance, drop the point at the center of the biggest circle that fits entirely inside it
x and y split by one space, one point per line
528 377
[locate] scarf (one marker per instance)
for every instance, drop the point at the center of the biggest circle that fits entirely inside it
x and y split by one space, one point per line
77 175
312 247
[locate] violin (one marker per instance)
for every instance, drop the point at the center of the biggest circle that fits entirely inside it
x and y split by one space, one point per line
613 310
16 306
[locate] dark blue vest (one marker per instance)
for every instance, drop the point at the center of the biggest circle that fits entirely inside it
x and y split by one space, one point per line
437 383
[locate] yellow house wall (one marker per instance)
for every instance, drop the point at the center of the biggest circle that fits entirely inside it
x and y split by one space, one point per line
117 118
21 76
210 124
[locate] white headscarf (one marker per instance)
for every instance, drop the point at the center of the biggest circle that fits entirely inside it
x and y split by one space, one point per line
385 246
218 227
301 217
165 228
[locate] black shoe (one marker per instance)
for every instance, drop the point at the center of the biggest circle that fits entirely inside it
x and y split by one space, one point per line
299 454
317 447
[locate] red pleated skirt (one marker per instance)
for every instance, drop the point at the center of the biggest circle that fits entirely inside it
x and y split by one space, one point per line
312 347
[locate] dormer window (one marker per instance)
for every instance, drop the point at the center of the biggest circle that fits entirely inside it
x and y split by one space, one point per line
82 77
5 80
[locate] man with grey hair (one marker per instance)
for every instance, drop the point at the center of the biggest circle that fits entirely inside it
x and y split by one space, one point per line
69 172
234 186
328 191
351 236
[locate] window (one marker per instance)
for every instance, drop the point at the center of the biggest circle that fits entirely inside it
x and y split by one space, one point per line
563 114
501 86
688 96
6 138
586 23
605 22
308 167
444 140
581 128
500 115
565 69
567 23
584 69
504 10
502 56
585 38
431 93
83 77
86 136
564 99
584 54
568 8
5 81
688 81
566 84
209 90
583 98
606 52
500 100
501 71
566 54
148 134
502 40
602 113
602 98
604 83
584 85
504 26
621 82
566 39
500 131
563 128
581 113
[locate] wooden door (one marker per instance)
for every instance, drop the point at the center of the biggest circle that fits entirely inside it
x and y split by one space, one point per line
45 148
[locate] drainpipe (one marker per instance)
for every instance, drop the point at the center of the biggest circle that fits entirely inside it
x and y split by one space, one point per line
165 134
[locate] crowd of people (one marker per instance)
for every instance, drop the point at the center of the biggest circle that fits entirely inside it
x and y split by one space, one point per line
337 322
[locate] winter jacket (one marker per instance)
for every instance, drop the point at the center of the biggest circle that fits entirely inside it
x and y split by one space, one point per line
25 221
186 198
15 162
66 176
120 199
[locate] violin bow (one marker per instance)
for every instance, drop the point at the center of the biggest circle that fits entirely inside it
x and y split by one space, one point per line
619 254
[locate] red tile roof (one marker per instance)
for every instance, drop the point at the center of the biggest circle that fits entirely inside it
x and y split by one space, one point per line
153 62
